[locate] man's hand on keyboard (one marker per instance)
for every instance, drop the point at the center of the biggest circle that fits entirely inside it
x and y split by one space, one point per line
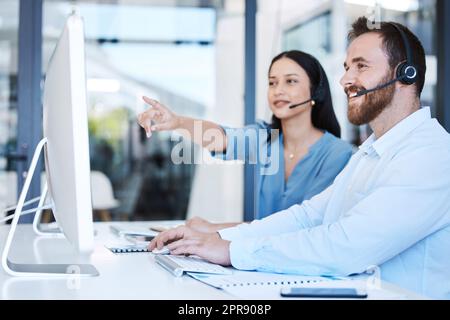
185 241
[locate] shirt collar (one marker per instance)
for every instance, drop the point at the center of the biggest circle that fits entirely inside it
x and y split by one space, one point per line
397 133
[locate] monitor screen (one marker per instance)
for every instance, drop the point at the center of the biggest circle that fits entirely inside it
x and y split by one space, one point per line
66 129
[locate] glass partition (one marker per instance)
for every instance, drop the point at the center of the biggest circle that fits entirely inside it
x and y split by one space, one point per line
9 25
173 53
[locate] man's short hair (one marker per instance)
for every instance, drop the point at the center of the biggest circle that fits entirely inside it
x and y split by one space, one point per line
394 46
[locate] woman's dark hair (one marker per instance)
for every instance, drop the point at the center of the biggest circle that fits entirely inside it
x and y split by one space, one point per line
322 114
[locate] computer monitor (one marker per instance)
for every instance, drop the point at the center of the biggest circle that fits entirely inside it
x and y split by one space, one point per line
66 129
66 155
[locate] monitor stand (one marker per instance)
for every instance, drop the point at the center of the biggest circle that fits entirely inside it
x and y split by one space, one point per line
37 269
40 229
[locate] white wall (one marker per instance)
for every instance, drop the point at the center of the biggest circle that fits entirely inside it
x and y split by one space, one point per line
217 191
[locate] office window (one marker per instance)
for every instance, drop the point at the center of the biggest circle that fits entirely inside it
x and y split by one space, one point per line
299 37
9 24
167 52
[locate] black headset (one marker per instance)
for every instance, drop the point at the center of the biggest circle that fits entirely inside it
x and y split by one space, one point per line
319 93
406 71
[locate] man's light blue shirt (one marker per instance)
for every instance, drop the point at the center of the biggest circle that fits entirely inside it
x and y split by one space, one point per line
389 207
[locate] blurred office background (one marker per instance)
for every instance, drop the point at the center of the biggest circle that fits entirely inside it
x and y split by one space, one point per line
190 55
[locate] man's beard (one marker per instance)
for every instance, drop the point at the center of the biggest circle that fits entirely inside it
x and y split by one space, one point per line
374 103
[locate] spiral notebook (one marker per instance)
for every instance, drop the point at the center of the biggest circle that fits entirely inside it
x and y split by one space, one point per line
258 285
253 279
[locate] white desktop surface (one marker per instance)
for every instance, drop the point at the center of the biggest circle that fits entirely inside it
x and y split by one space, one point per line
122 276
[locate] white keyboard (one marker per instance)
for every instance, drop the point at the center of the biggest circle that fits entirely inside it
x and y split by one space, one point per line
178 265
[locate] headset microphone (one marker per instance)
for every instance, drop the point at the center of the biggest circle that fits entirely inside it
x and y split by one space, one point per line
364 92
301 103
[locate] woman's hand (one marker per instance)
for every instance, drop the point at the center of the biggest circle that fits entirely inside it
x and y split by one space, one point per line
162 117
204 133
201 225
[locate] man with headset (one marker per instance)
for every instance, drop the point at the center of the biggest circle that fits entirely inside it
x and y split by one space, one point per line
389 207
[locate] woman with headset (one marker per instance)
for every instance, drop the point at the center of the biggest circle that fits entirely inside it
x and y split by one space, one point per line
302 139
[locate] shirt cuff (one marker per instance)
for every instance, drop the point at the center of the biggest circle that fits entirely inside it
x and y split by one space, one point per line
241 254
230 234
227 154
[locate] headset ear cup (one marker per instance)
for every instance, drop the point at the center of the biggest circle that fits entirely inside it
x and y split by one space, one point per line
319 94
407 73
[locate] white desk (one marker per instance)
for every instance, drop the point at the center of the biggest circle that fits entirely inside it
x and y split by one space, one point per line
122 276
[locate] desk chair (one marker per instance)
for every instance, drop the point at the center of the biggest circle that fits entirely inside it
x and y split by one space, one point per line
102 195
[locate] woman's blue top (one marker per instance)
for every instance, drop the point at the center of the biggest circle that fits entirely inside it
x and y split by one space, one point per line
311 175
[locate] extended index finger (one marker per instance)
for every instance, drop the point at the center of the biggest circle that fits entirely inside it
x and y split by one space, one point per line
155 104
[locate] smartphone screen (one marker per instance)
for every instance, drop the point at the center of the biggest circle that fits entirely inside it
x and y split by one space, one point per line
139 238
322 293
145 238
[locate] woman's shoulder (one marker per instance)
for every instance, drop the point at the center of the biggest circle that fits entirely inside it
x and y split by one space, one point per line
259 124
262 124
336 145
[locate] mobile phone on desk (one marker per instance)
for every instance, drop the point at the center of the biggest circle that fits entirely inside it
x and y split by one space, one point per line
308 292
158 228
139 238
